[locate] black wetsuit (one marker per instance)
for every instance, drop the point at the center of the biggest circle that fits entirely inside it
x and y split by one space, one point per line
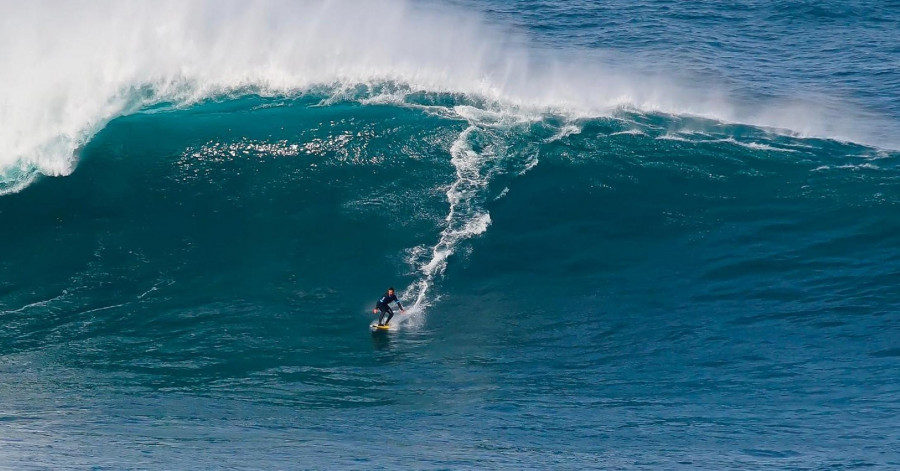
384 305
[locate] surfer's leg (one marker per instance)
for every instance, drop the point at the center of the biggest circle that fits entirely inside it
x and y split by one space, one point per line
381 318
390 313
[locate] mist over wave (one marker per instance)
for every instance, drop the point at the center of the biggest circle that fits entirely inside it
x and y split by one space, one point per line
71 67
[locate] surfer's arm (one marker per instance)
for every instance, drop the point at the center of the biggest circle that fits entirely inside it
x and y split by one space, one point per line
394 299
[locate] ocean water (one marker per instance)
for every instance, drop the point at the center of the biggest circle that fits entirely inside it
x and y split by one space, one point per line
628 235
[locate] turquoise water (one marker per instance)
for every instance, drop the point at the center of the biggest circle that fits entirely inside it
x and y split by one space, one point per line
643 236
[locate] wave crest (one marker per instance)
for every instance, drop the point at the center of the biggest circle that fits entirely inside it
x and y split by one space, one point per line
72 67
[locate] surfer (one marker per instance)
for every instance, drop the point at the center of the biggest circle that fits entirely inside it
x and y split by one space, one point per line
384 305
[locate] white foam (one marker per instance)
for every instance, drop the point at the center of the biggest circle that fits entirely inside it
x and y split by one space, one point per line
865 166
35 304
673 137
756 145
464 220
630 132
70 67
15 179
564 132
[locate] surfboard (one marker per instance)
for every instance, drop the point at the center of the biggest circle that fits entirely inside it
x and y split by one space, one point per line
380 328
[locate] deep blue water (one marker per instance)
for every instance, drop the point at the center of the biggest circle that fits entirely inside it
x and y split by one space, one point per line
642 287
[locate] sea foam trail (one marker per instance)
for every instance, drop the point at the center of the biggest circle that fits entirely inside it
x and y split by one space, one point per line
480 154
70 67
464 220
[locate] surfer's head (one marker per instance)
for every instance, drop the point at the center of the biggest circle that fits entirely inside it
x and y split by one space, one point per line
391 290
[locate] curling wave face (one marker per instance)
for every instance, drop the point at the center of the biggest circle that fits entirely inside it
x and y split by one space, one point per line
643 264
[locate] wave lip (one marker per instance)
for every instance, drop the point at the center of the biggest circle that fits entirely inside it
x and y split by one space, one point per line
72 67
